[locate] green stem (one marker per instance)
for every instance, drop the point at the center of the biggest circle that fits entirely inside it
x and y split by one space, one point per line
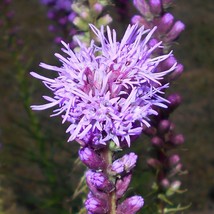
107 155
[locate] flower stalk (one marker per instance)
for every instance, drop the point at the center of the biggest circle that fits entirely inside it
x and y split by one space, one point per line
162 133
107 94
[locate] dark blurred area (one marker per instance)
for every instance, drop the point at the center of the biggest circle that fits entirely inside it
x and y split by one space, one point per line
44 174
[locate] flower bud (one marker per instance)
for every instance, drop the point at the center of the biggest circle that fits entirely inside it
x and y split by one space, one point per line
104 20
126 163
155 6
71 17
136 19
91 159
177 139
163 126
176 30
96 205
175 101
63 20
122 185
97 8
154 163
177 169
50 15
130 205
176 73
143 7
153 42
99 180
169 62
173 159
175 185
80 23
85 15
165 183
57 40
157 141
51 28
165 23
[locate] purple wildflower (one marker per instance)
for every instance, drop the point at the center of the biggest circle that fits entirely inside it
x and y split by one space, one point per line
107 92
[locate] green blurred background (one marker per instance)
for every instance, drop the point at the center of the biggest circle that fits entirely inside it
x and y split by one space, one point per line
37 165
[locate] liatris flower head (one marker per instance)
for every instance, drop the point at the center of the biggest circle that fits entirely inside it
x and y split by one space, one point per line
107 92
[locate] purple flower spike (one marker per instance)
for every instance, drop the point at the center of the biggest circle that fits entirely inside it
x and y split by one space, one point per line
107 93
99 180
130 205
122 185
91 159
126 163
96 205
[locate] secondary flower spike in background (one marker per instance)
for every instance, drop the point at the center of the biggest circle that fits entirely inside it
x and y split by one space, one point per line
107 92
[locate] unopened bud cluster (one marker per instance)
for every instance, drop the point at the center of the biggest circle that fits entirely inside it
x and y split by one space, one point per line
106 180
163 159
153 13
70 18
89 14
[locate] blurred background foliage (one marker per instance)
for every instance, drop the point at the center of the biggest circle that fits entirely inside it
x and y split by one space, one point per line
39 170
